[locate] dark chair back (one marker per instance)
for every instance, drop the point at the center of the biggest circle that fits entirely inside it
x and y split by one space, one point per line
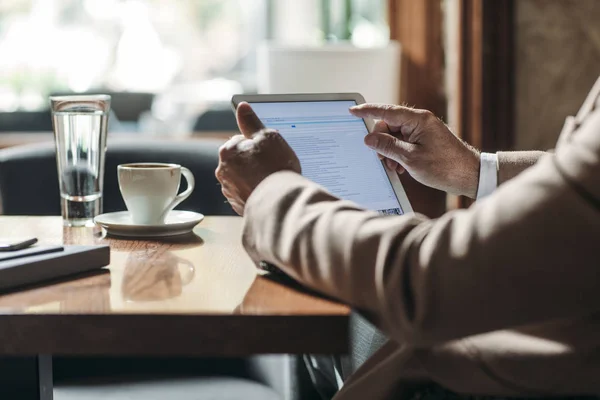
29 179
219 120
26 121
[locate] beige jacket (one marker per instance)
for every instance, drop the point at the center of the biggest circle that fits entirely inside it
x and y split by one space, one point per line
499 299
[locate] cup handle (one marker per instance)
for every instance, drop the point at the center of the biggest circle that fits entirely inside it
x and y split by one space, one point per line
191 182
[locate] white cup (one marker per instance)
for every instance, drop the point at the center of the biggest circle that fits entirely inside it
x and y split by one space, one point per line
150 190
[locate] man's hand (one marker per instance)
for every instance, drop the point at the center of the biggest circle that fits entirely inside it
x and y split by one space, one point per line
418 142
246 159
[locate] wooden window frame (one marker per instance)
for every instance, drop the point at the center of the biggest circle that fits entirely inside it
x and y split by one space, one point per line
417 25
486 73
484 90
486 84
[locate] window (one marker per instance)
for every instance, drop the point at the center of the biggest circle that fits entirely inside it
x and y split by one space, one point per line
78 45
158 46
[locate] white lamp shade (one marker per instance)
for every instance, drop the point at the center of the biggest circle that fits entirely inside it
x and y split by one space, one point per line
332 68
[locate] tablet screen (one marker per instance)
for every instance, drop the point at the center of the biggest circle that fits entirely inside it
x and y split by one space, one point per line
329 143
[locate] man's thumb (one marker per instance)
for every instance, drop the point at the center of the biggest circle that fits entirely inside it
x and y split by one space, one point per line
389 146
247 120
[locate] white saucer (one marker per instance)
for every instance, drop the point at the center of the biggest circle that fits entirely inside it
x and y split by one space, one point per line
177 223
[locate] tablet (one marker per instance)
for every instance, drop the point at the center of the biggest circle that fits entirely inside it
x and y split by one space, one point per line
329 142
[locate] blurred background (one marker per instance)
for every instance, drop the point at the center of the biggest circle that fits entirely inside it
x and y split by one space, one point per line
502 73
170 66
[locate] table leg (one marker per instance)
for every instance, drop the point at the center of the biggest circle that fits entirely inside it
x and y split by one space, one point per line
26 378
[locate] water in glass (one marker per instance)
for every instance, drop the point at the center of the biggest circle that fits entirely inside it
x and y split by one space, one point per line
80 144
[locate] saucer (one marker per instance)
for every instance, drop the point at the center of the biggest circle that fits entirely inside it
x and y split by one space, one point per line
176 223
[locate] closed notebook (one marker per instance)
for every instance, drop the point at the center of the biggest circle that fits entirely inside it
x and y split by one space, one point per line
43 263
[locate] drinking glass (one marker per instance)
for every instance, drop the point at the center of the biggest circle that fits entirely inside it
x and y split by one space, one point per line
80 124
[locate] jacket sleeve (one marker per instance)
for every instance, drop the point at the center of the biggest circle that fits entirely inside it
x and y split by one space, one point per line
526 254
512 163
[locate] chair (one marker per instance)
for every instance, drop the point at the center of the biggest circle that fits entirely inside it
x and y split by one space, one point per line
217 120
29 186
29 179
25 121
268 377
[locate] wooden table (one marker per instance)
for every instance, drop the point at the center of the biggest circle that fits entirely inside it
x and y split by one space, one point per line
194 295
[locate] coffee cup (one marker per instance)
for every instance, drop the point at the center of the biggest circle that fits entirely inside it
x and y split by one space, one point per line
150 190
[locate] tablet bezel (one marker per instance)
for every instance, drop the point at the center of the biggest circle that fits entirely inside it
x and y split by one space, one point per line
356 97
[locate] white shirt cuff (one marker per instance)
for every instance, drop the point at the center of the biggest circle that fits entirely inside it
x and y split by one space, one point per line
488 175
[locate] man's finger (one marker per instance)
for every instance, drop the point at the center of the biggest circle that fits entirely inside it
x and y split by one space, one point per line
394 166
391 164
390 114
381 126
390 147
229 146
247 120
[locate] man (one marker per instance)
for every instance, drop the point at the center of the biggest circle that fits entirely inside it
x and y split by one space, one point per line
501 299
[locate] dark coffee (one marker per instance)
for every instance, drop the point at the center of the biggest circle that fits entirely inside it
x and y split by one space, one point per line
146 166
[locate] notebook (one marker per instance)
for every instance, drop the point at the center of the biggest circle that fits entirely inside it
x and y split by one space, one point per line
43 263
